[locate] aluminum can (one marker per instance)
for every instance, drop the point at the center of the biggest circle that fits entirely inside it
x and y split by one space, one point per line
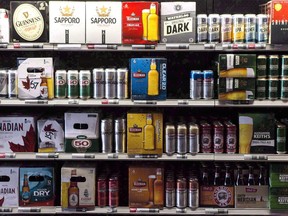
72 84
202 28
110 83
262 66
281 138
284 66
107 135
226 28
273 88
60 84
284 88
181 138
231 137
85 84
196 84
113 191
193 194
238 30
122 83
205 137
3 83
120 135
208 84
262 28
261 88
250 28
102 191
181 193
218 137
98 83
170 139
193 138
12 84
170 195
273 66
214 28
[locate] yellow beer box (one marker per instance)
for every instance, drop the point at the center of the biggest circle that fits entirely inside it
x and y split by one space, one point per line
9 190
144 133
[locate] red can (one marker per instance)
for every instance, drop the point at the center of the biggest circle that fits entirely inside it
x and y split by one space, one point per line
231 137
206 139
102 191
113 191
218 137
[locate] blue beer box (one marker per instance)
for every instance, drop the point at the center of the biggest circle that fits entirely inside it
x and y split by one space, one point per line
148 78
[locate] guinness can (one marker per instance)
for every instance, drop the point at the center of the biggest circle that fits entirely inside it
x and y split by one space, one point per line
122 83
110 83
107 135
3 84
120 135
98 83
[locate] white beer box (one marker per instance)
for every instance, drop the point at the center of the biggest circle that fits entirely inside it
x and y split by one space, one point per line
9 190
4 26
104 22
178 22
66 22
17 134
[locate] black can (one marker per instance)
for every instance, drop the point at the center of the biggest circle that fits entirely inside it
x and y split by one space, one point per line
273 88
261 92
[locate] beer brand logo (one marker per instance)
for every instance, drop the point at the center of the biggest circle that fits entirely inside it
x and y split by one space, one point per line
103 18
103 12
251 190
26 15
222 196
135 129
67 16
278 7
133 17
139 74
139 183
178 7
81 145
67 11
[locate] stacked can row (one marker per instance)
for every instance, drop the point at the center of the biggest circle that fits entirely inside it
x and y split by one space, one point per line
8 84
201 84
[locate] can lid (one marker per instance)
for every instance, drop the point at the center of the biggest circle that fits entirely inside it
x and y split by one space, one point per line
214 15
226 15
237 15
262 15
202 16
250 15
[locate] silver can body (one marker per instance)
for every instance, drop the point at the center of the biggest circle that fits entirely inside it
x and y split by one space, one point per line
3 83
110 83
12 84
208 84
98 83
250 28
181 194
120 135
122 83
202 28
107 135
170 198
170 139
214 28
194 146
72 84
193 198
181 139
196 84
262 28
84 84
60 84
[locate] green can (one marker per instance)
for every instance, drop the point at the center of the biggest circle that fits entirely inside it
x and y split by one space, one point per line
273 66
261 93
273 88
84 84
284 88
261 66
72 84
284 66
281 138
60 84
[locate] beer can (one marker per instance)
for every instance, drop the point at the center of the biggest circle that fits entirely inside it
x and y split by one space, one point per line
84 84
193 195
262 28
170 139
98 83
107 135
273 66
250 28
196 84
281 138
231 137
261 66
284 88
181 193
120 135
193 138
102 191
60 84
284 66
122 83
273 88
3 84
205 137
218 137
110 83
208 84
261 88
181 138
202 28
113 192
226 28
72 84
238 30
170 196
214 28
12 84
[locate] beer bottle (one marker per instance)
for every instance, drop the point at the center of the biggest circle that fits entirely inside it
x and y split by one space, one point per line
217 180
205 177
44 87
228 179
73 191
262 179
239 179
25 190
251 180
158 188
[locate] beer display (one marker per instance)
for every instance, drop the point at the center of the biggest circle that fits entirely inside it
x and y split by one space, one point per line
9 181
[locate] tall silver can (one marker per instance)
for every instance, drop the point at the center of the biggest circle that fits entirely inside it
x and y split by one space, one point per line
3 84
181 138
98 83
120 135
12 84
107 135
122 83
170 139
193 138
110 83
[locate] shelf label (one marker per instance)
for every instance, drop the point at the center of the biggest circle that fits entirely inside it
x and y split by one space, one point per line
5 209
36 101
255 157
28 45
109 101
177 46
74 101
83 155
183 102
7 155
145 210
144 102
69 46
112 155
29 209
143 46
146 156
102 46
216 211
47 155
3 45
182 156
111 210
209 46
244 46
180 210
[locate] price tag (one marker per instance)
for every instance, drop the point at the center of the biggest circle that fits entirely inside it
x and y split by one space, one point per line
180 210
36 101
146 156
112 155
115 101
177 46
216 211
143 46
111 210
74 101
5 209
182 156
28 45
47 155
7 155
83 155
29 209
255 157
69 46
144 102
209 46
183 102
3 45
101 46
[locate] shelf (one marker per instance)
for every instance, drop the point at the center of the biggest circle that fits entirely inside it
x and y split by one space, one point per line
256 103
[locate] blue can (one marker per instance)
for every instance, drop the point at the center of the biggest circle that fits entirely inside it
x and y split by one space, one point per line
196 84
208 84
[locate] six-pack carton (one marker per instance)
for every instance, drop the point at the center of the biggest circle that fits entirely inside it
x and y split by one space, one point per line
4 26
9 186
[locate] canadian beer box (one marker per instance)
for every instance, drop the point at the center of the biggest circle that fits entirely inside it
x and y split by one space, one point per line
278 198
178 22
279 175
36 186
252 196
104 22
216 196
4 26
67 22
9 189
29 21
148 78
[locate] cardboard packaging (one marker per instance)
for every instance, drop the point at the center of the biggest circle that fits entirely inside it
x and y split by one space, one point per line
256 133
252 196
50 135
140 22
279 175
4 26
78 188
146 187
148 78
178 22
36 186
104 22
216 196
144 133
278 198
17 134
9 186
82 132
35 78
29 21
66 22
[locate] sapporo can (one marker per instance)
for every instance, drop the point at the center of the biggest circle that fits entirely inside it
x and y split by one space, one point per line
113 192
72 84
226 28
107 135
181 138
208 84
261 66
193 135
261 88
262 28
84 84
284 66
250 28
284 88
202 28
205 137
193 195
214 28
238 30
273 88
102 191
60 84
170 139
3 83
170 196
231 137
12 84
98 83
120 135
122 83
281 138
110 83
273 66
196 84
218 137
181 193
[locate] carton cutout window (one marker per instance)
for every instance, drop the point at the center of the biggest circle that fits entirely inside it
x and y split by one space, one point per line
4 179
80 126
36 178
77 179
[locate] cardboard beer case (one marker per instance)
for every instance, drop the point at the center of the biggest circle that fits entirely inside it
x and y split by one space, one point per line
254 196
279 175
9 186
4 26
216 196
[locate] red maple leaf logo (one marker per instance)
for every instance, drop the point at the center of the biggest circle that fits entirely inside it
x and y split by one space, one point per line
1 201
42 91
29 142
27 83
49 128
